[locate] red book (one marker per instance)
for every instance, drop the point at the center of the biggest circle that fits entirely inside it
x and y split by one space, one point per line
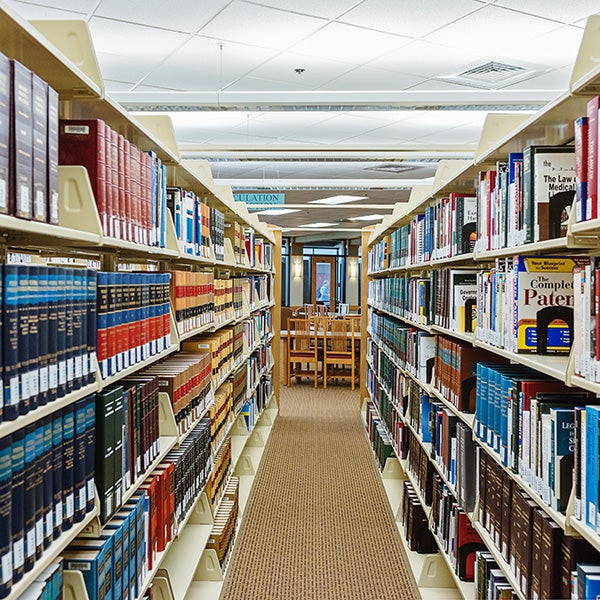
593 106
468 543
82 142
134 198
112 138
581 167
121 185
128 190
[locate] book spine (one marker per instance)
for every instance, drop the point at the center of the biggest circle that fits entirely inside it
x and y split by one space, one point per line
61 329
52 146
29 497
90 446
24 348
70 310
79 469
593 106
10 346
52 333
18 504
39 490
68 480
48 500
581 163
33 307
57 473
43 340
5 516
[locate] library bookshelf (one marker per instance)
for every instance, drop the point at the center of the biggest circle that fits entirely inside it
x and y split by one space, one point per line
61 53
501 135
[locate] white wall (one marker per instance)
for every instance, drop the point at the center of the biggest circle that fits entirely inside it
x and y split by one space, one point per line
296 283
352 282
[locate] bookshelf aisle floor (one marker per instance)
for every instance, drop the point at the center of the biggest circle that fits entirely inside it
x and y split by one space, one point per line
318 523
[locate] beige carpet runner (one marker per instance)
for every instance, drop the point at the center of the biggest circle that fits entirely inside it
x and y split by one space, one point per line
318 524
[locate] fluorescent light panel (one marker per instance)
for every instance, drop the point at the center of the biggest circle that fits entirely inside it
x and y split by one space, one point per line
317 225
339 199
277 211
367 218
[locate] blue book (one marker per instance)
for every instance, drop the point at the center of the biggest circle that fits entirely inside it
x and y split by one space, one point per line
48 500
90 452
90 563
39 489
92 325
29 497
33 374
61 303
42 315
113 534
79 467
18 504
155 166
425 413
10 332
57 473
163 207
591 452
52 334
587 572
70 307
68 414
5 516
79 327
24 348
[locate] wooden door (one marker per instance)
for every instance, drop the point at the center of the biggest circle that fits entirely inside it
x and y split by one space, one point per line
324 285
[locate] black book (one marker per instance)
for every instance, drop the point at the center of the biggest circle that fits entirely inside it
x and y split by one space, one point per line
40 148
23 347
39 489
52 156
5 133
61 330
53 293
42 316
467 480
47 499
104 472
18 504
70 307
5 515
117 436
33 373
92 325
29 496
68 414
90 457
57 473
79 467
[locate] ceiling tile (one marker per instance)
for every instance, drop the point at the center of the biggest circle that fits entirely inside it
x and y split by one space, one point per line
116 86
283 123
130 40
409 17
264 26
125 68
258 84
197 65
317 71
229 140
316 8
181 15
566 12
369 78
429 60
197 128
461 136
63 10
348 43
493 28
557 79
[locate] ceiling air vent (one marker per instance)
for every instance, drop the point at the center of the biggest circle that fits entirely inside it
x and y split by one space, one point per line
492 75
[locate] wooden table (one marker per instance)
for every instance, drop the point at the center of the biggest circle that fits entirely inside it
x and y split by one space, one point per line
286 358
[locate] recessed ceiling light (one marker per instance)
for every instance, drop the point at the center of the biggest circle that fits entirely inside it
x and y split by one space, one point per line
318 225
341 199
367 218
277 211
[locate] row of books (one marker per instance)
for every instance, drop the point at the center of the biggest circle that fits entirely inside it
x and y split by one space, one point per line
586 320
198 227
133 319
46 485
192 298
49 335
225 524
257 402
454 293
186 378
115 565
220 473
407 297
220 414
378 436
257 327
257 365
444 229
28 144
490 580
240 387
220 347
223 301
525 304
538 553
129 185
526 198
451 524
417 533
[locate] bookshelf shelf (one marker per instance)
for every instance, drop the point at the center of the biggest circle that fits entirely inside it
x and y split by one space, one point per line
581 382
452 260
558 517
50 555
465 336
585 532
197 331
8 427
555 366
104 383
23 41
557 245
133 250
465 588
468 418
502 564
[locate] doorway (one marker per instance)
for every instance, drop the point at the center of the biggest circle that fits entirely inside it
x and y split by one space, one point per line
324 284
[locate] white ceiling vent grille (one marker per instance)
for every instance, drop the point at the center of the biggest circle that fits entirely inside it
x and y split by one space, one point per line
492 75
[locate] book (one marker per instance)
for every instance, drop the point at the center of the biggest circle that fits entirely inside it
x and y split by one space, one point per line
543 294
39 149
581 167
6 484
593 106
5 132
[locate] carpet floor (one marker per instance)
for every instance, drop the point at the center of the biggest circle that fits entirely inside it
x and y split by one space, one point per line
318 524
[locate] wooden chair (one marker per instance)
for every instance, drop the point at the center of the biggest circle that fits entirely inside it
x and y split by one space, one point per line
322 309
309 310
339 355
343 308
302 349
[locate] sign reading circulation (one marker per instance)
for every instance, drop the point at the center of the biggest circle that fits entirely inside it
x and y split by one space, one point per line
262 199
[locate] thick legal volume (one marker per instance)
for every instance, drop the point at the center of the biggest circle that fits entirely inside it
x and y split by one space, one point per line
18 504
5 516
68 467
40 149
6 126
21 153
